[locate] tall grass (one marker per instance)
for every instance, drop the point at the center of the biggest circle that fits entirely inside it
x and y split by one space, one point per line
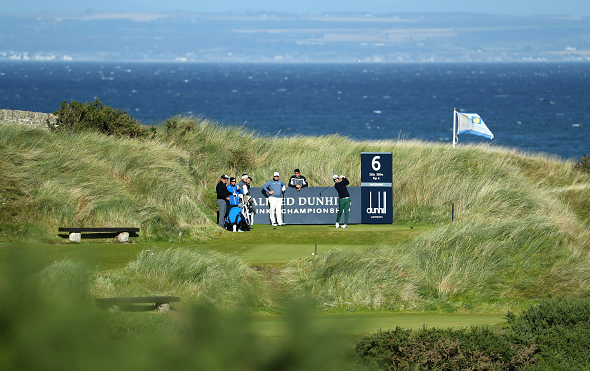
94 180
471 266
520 230
354 279
220 280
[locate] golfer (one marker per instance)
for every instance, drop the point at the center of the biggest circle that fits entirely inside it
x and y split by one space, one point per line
343 199
275 189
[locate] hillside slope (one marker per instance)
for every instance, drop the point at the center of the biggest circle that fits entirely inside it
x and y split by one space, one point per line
520 229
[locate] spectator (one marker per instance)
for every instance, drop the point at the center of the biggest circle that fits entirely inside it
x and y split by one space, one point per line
244 186
222 200
234 192
297 181
249 209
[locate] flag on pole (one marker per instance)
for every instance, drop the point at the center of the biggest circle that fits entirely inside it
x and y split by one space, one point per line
472 124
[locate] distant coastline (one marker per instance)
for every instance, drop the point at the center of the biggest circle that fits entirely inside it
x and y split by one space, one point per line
426 37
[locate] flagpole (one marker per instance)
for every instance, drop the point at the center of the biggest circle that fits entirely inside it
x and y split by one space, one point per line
454 124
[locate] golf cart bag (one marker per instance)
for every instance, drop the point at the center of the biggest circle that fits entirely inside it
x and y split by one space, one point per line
236 218
248 209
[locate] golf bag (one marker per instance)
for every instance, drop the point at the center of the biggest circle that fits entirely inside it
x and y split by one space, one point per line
248 209
235 217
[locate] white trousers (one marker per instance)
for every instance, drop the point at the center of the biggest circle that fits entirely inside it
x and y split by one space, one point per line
276 206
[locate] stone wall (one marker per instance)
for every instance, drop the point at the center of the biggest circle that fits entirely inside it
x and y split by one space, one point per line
32 119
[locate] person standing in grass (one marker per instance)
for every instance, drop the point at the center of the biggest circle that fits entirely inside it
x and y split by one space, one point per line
275 189
222 200
243 185
343 199
249 209
234 192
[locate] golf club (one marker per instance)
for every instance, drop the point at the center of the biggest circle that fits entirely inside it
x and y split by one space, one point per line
325 190
283 209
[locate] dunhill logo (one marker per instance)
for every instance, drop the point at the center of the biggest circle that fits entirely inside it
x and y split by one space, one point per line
381 207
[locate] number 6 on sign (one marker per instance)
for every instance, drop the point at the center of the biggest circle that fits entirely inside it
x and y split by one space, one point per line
375 163
376 168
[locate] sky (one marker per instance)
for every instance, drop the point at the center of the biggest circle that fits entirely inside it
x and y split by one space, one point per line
574 8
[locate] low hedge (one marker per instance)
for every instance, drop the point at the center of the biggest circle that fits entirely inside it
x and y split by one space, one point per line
553 335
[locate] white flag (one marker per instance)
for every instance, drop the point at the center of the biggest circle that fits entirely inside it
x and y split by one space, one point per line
472 123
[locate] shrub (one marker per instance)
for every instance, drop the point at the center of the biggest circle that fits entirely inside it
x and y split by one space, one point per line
583 164
553 335
179 126
83 117
561 329
477 348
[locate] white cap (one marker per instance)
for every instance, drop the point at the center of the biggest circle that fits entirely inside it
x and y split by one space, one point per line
244 176
335 177
275 174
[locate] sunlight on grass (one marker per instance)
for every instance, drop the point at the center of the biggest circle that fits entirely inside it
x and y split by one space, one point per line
520 230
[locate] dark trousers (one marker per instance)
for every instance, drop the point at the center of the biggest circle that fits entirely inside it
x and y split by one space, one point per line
343 206
222 204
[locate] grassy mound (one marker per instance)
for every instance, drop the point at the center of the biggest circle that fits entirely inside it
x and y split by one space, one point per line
520 230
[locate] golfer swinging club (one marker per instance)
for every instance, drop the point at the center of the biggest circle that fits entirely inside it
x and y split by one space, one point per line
343 199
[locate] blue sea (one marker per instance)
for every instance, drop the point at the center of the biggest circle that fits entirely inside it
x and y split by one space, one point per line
537 107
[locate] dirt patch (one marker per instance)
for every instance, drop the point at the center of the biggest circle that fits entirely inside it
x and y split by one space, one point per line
272 275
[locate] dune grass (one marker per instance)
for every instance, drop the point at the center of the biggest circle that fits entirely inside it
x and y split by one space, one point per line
520 231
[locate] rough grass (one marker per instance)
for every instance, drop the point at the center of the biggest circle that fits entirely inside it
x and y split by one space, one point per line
520 230
220 280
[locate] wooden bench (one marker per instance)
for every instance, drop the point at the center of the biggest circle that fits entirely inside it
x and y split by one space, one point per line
160 303
122 233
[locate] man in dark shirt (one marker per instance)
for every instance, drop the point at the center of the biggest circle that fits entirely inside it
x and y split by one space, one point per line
297 181
222 200
343 199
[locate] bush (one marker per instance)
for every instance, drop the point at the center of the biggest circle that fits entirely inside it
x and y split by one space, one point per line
553 335
477 348
84 117
179 125
583 164
561 329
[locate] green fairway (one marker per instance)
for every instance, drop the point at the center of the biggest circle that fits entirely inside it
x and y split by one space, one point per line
263 245
358 324
102 255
